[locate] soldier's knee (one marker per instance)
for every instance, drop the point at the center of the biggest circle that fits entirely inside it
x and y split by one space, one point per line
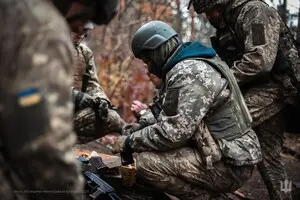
143 162
146 166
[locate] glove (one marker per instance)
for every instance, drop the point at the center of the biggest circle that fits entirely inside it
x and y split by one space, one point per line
101 107
81 99
130 128
121 145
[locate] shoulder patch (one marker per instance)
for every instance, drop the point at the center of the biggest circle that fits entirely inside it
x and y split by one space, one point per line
26 119
29 97
170 103
258 34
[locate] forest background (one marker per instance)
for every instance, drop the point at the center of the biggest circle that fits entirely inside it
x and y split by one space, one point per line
122 76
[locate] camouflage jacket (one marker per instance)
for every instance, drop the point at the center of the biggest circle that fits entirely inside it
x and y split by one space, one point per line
248 41
196 91
85 66
36 137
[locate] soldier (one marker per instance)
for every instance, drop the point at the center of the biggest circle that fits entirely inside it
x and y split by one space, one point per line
36 137
176 153
90 122
260 50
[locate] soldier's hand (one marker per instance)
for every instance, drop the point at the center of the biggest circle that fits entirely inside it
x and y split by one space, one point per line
81 99
137 107
119 145
108 139
130 128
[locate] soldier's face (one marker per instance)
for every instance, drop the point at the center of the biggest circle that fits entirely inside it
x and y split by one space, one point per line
154 79
77 16
214 16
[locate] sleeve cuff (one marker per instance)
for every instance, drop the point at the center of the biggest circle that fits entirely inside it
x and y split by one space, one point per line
127 144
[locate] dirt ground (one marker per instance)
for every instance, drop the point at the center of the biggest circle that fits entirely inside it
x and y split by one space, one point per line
255 188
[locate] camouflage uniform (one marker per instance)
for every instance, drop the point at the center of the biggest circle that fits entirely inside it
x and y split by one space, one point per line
36 139
196 91
85 123
256 44
85 63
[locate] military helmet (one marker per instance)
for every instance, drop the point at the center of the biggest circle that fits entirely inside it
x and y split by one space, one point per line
150 36
101 11
201 6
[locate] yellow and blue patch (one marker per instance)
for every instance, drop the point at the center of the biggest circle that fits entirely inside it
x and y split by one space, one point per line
29 97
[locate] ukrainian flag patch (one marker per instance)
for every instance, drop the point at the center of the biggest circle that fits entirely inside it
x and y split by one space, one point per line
29 97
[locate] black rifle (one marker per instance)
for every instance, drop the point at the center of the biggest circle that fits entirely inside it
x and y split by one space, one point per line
95 171
105 183
97 188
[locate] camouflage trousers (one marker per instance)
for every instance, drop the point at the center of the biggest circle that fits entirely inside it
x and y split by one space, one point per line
182 173
270 135
88 127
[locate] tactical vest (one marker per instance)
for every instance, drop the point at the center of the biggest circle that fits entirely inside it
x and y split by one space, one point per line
232 119
286 69
80 77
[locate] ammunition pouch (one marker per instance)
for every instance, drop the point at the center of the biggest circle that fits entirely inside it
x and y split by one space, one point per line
207 146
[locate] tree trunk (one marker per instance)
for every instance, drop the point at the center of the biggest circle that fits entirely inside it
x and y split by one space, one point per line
177 24
192 13
282 9
298 31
